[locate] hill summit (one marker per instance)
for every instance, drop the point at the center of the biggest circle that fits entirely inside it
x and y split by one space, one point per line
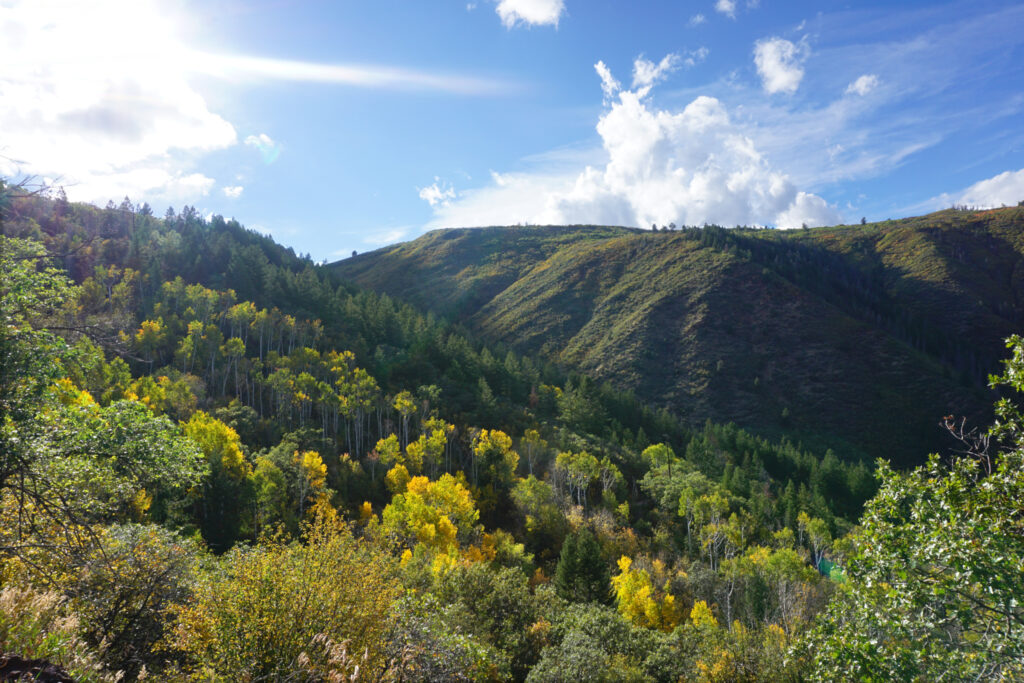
859 338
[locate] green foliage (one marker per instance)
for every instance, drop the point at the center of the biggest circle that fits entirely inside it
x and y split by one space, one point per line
30 295
125 590
582 574
36 625
265 607
933 584
702 320
543 523
499 608
427 645
256 384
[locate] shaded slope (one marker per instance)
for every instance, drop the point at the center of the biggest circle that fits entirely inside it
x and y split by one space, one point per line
856 337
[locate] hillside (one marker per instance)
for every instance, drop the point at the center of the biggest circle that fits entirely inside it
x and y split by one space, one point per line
854 337
207 434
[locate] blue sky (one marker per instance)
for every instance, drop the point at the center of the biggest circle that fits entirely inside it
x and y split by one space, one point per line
345 125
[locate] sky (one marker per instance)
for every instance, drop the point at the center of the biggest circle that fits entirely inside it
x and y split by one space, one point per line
351 124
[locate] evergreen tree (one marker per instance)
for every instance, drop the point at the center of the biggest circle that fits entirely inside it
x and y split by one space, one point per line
582 574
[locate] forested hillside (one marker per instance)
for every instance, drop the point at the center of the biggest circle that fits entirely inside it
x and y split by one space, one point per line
825 333
221 462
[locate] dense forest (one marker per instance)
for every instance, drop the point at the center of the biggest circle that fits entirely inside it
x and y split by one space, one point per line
221 461
820 335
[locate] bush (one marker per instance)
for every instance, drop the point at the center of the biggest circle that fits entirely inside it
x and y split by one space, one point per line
36 625
268 611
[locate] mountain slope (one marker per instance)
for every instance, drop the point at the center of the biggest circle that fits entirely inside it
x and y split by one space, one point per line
854 337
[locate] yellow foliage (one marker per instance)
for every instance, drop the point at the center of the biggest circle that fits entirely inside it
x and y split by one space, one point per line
640 602
431 513
721 671
365 511
219 442
442 564
775 635
141 504
70 395
312 467
493 452
397 479
252 619
701 615
486 551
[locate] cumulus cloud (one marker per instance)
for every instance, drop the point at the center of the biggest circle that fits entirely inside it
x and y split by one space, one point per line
105 107
863 85
1005 189
688 167
609 86
726 7
530 12
233 191
697 19
265 145
647 73
437 194
780 64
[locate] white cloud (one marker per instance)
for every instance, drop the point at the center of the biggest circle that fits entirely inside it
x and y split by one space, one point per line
726 7
689 167
95 97
646 73
609 86
697 19
530 12
695 57
863 85
386 236
90 98
233 191
780 64
437 194
237 67
510 199
265 145
1007 189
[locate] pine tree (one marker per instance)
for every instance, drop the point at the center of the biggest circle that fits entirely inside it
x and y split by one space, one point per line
582 574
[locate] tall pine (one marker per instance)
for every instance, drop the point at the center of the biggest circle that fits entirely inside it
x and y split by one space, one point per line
582 575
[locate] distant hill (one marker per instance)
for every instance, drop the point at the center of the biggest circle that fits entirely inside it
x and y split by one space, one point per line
859 338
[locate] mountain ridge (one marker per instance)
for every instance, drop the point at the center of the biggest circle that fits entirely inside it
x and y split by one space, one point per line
830 331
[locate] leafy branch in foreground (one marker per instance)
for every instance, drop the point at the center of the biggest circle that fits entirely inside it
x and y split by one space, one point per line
933 587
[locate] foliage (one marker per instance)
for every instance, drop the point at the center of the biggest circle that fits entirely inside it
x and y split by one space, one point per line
30 295
428 645
500 609
933 587
643 595
582 574
203 379
262 608
435 514
37 625
125 590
